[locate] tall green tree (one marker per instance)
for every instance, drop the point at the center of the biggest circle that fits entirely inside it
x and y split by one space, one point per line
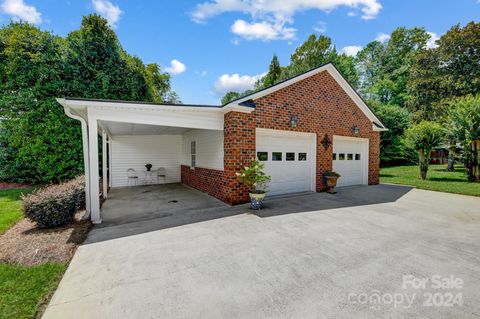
384 68
464 126
230 96
38 143
424 137
449 70
274 72
318 50
98 67
393 149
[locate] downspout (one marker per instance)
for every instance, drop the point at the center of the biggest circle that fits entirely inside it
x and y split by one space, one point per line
85 157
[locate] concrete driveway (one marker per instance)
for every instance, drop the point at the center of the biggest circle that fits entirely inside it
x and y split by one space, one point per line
308 256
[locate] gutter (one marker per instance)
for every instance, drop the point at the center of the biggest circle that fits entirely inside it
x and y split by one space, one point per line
85 153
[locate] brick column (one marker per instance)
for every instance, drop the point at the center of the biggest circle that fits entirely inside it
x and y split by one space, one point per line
239 150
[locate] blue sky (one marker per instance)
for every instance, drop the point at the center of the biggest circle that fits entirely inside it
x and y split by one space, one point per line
213 46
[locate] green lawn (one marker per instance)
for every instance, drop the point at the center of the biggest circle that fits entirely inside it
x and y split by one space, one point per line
10 207
24 288
438 179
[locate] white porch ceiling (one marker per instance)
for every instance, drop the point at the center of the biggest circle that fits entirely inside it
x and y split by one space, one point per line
122 128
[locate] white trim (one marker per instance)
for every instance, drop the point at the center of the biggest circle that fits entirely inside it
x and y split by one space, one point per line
313 149
94 178
109 160
82 104
365 152
338 78
104 165
86 159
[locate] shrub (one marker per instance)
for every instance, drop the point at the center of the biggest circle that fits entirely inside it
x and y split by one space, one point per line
55 205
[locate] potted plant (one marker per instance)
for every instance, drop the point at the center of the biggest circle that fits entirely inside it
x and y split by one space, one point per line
148 167
255 179
331 178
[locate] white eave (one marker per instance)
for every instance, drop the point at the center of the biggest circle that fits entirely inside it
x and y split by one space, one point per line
330 68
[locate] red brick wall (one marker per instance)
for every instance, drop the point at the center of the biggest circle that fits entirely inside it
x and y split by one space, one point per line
211 181
322 107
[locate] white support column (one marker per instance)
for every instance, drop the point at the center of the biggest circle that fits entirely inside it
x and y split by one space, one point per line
94 176
110 161
104 165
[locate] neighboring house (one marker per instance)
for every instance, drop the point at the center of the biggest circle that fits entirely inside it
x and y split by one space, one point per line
302 127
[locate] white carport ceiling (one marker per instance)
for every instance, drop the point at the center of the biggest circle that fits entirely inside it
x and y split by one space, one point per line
121 128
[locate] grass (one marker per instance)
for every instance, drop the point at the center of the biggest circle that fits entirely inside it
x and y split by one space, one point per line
438 179
11 207
25 288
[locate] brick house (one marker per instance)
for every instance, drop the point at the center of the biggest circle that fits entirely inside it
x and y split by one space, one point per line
300 128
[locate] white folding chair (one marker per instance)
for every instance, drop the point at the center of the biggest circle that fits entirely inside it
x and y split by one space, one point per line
132 176
161 173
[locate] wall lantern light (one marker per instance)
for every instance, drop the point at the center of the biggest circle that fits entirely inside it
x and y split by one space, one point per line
356 130
293 121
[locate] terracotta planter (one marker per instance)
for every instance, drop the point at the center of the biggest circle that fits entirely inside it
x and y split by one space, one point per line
256 200
331 183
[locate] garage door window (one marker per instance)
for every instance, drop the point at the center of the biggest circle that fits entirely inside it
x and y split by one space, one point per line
334 156
302 156
357 157
341 156
262 156
350 157
276 156
289 156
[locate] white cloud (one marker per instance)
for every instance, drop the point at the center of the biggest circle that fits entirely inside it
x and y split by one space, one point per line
351 50
108 10
270 17
176 67
265 31
320 27
235 82
382 37
281 9
21 11
431 42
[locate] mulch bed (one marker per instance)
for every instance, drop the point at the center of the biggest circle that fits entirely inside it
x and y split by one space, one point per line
4 185
25 244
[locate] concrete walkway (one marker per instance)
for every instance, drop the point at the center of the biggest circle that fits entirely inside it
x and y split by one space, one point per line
308 256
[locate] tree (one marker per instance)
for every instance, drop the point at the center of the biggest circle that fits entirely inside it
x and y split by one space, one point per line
38 143
274 72
158 84
230 96
449 70
393 150
316 51
464 127
424 136
384 68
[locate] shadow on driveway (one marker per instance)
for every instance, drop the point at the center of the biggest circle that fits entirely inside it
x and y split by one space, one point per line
123 217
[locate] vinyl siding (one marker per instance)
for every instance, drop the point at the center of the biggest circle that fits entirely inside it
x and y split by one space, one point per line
136 151
209 148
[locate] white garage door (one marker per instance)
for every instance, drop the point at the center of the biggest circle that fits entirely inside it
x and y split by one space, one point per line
289 159
350 160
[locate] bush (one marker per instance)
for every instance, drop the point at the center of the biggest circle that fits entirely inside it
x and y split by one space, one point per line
55 205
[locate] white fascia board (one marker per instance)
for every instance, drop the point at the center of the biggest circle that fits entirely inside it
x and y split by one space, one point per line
335 74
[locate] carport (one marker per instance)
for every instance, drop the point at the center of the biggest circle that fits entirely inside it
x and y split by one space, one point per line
136 133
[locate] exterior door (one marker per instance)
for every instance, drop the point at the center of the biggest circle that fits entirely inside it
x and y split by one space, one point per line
350 160
289 159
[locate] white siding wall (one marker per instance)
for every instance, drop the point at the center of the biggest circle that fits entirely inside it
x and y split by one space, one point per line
136 151
209 148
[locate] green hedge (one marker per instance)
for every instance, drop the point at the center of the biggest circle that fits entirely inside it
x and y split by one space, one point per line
55 205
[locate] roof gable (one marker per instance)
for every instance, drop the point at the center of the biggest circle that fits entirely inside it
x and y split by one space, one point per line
330 68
